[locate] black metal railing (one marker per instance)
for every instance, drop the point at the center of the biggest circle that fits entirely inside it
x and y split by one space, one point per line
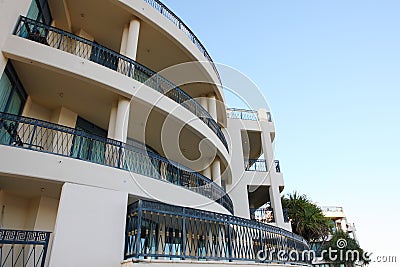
68 42
243 114
52 138
159 231
263 214
23 248
277 166
166 12
258 165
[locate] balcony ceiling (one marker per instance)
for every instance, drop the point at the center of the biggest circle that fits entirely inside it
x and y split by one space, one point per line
104 20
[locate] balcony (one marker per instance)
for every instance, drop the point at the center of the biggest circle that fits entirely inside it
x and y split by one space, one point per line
23 248
70 43
159 231
166 12
42 136
258 165
245 114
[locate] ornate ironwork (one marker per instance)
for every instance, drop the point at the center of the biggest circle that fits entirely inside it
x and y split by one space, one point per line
258 165
73 44
52 138
166 12
23 248
263 214
243 114
159 231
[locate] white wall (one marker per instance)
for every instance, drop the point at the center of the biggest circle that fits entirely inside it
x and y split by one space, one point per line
90 227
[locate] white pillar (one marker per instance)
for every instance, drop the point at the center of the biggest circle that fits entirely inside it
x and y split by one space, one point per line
112 121
216 171
207 172
203 102
124 40
132 39
212 106
122 118
275 198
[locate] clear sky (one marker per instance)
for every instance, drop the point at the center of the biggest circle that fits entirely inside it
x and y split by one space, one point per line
330 70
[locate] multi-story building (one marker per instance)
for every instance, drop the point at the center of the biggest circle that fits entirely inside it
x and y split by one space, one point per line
339 223
117 149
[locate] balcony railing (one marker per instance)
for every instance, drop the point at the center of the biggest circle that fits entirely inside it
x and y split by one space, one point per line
159 231
70 43
243 114
23 248
263 214
166 12
52 138
258 165
277 166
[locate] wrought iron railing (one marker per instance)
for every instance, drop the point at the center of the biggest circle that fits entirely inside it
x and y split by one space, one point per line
166 12
73 44
243 114
258 165
159 231
52 138
277 166
263 214
23 248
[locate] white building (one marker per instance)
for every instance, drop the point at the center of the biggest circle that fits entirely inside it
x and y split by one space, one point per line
112 156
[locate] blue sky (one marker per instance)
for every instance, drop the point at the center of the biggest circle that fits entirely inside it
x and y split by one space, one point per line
330 72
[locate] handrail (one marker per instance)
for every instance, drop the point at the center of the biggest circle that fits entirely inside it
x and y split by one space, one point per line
52 138
76 45
243 114
23 247
158 230
258 165
166 12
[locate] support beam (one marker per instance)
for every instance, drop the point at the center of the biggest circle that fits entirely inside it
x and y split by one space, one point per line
216 171
112 120
212 106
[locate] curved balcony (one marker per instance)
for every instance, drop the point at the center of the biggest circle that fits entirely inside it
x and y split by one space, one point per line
70 43
52 138
166 12
159 231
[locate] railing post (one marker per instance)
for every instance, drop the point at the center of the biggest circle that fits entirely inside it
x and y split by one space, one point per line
80 146
33 134
139 225
45 249
184 233
61 38
120 151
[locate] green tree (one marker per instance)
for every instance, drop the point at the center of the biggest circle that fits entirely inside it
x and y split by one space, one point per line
306 218
344 251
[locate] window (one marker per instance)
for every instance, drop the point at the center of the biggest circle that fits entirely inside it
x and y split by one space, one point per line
12 93
89 147
39 10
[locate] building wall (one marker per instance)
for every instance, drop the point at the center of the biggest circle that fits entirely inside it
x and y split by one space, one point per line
90 227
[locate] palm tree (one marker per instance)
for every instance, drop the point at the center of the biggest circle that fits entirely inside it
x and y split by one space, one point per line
306 218
348 251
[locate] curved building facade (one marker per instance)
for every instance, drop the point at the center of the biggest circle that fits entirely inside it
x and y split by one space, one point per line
117 148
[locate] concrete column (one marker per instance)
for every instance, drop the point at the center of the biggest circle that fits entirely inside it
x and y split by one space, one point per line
276 204
216 171
124 40
112 120
203 102
207 172
122 118
132 39
212 106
